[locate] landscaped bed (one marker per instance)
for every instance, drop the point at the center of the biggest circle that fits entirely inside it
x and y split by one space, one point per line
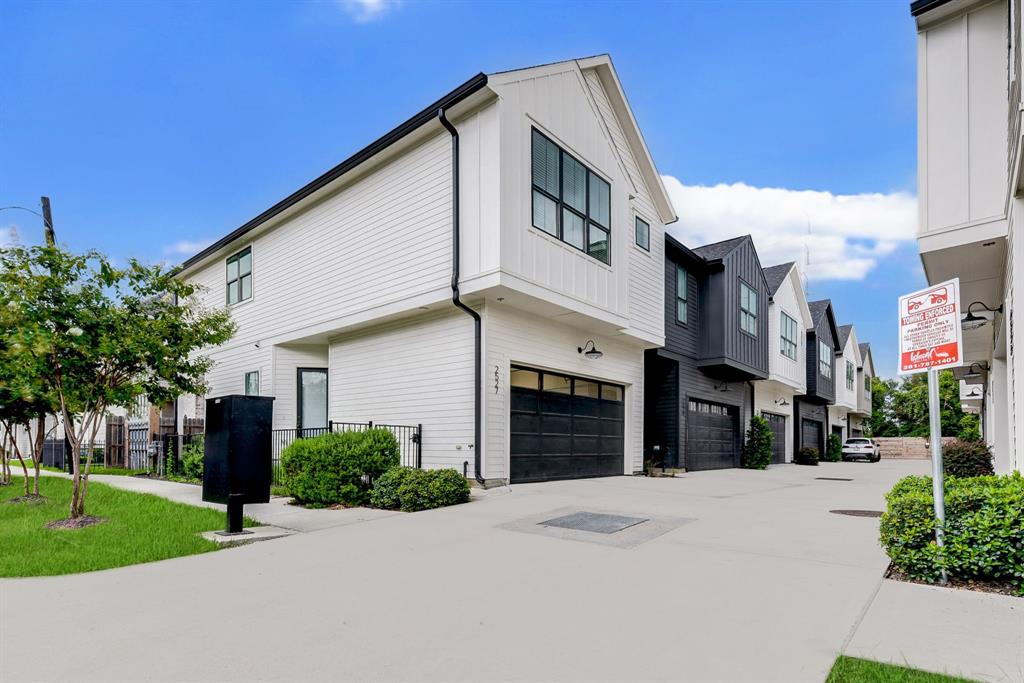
134 528
852 670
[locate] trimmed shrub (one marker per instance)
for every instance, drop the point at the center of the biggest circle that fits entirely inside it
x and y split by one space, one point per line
385 490
963 458
834 448
984 530
192 459
757 450
807 456
338 467
409 490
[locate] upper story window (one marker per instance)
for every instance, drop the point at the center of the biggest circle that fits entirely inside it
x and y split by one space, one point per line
239 276
252 383
570 201
788 334
850 375
867 383
681 293
748 309
825 360
643 234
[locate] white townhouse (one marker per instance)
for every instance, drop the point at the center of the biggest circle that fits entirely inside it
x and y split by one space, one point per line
971 194
788 321
492 269
859 417
841 413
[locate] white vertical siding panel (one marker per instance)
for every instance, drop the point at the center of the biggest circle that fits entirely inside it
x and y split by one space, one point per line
287 360
782 368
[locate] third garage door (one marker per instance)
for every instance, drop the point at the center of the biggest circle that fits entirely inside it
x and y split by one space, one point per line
777 423
711 435
810 434
565 427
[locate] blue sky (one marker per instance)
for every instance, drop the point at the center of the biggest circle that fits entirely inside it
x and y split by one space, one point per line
155 127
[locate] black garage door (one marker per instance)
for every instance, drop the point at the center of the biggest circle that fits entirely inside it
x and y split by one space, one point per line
810 435
711 436
777 423
564 427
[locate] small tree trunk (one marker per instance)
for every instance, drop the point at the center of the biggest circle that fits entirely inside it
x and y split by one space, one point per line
76 475
37 451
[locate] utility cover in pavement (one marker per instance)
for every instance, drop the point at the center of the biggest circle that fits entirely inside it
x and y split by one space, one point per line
595 522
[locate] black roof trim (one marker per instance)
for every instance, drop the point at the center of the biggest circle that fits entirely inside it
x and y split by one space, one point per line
429 113
919 7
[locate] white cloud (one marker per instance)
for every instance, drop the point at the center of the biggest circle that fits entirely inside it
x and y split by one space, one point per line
9 235
848 233
186 247
365 11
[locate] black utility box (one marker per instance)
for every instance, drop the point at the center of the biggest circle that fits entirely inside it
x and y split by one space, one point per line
237 450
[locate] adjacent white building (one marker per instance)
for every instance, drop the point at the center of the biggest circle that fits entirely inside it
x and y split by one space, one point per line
848 361
865 373
788 321
970 186
454 273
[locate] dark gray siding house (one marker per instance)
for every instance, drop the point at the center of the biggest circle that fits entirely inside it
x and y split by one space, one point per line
810 410
698 393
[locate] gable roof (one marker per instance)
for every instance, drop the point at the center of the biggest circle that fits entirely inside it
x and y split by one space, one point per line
719 250
776 275
602 66
844 335
823 307
865 355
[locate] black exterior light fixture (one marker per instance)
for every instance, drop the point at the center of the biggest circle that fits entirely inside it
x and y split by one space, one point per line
973 322
781 402
589 350
972 373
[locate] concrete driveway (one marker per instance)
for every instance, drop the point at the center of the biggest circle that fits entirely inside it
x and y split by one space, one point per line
750 579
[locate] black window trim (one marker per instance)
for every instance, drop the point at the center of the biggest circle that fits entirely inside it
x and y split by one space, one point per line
823 346
298 395
601 384
237 282
245 382
686 291
783 339
755 314
638 218
560 204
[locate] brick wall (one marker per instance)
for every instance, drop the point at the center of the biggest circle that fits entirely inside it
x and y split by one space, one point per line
906 446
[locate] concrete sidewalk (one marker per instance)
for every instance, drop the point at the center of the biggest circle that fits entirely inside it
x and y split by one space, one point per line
275 513
976 635
762 583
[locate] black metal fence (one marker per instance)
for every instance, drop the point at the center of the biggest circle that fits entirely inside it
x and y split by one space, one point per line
409 437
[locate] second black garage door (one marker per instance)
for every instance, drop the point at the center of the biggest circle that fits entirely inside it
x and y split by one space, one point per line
711 435
564 427
777 423
811 434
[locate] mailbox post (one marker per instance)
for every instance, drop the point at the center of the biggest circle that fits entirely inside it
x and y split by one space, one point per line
237 454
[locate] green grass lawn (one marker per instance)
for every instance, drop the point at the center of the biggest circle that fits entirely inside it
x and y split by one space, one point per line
95 469
138 528
852 670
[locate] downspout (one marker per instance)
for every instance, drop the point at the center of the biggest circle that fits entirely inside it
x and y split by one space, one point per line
477 382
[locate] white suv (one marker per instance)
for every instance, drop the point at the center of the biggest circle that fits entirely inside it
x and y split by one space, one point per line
860 447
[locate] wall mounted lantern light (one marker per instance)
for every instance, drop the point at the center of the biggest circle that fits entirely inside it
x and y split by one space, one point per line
589 350
973 322
781 402
972 373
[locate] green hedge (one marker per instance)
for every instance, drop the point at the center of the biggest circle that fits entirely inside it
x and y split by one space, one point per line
338 467
984 530
834 448
757 450
806 456
409 490
192 459
967 458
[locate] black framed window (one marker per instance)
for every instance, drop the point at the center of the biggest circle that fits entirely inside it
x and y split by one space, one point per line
682 282
825 360
569 201
239 276
748 309
643 234
851 375
867 383
788 334
252 383
311 398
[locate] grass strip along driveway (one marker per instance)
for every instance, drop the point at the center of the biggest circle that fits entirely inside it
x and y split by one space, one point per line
135 528
853 670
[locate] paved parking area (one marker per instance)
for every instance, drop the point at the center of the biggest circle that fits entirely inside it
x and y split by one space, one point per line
760 583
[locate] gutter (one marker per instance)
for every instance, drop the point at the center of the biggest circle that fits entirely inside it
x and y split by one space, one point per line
376 147
477 354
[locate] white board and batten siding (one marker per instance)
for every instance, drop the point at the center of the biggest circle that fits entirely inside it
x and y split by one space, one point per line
846 397
789 299
514 337
571 107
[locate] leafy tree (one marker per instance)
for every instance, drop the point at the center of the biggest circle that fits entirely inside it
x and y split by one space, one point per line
900 408
107 336
757 450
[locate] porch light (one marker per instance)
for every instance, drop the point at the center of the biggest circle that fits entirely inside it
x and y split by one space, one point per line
781 402
589 350
972 373
973 322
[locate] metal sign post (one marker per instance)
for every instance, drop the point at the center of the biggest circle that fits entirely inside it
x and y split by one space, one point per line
931 339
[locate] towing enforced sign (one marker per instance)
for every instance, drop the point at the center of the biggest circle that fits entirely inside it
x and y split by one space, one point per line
930 334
